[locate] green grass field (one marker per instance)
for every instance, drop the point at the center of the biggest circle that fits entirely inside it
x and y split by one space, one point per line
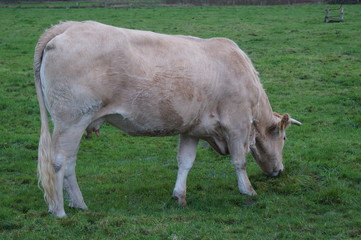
309 69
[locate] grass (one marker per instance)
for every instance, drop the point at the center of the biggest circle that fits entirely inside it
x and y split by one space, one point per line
308 68
78 4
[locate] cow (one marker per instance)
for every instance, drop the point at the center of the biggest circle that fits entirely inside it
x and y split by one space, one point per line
149 84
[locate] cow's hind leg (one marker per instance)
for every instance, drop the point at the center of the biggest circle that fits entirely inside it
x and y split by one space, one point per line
186 155
65 146
71 186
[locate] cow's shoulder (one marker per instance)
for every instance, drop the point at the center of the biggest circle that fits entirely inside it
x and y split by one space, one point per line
222 43
228 51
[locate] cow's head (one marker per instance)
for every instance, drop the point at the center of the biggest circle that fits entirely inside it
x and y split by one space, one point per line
269 142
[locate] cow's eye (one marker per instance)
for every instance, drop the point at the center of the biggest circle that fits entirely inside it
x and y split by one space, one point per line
285 138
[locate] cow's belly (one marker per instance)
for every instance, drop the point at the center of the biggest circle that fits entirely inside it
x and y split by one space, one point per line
134 128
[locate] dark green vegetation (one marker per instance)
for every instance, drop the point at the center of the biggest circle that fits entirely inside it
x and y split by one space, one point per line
308 68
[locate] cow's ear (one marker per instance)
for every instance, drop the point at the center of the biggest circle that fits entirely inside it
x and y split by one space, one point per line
284 122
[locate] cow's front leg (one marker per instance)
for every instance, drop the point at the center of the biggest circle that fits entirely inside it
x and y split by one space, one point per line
238 157
186 155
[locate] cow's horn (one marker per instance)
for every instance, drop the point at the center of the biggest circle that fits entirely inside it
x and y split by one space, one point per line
294 121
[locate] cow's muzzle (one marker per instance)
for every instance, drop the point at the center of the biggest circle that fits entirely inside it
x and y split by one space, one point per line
276 173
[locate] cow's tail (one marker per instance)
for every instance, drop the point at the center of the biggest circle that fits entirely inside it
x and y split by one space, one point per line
46 172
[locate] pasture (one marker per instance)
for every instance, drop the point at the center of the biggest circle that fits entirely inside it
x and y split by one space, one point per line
309 69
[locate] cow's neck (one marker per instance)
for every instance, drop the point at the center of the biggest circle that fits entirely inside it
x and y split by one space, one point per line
263 116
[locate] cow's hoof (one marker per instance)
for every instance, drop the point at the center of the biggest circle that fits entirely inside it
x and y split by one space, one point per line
249 192
60 214
180 200
82 207
252 193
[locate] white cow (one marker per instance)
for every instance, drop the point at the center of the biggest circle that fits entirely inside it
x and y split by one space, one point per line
149 84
